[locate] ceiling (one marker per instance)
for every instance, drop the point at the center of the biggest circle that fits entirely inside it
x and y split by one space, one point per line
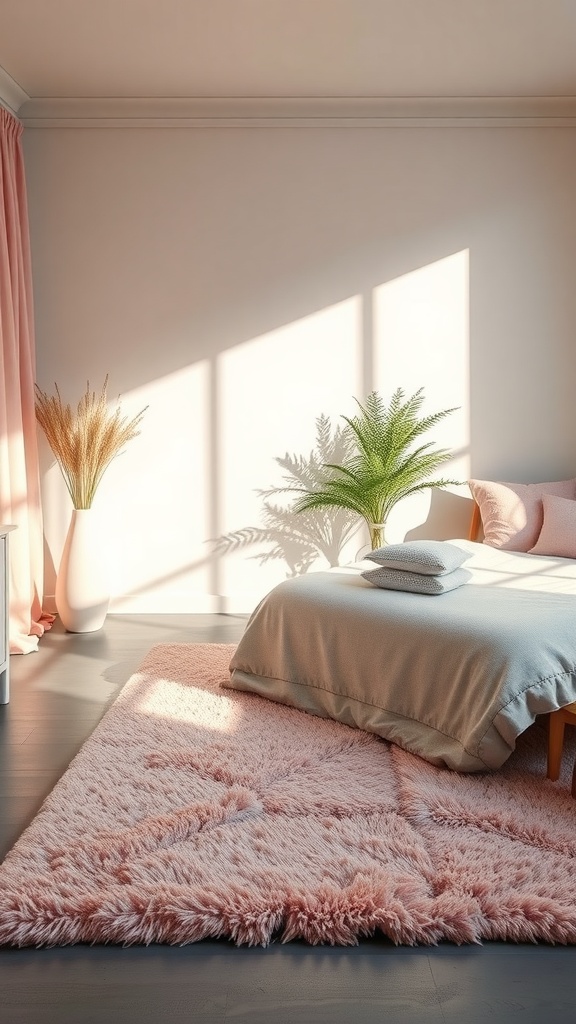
287 48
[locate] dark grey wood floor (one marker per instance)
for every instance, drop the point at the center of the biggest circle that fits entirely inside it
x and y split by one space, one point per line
58 696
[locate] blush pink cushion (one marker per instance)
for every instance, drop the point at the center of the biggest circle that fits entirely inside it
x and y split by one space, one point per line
512 514
558 533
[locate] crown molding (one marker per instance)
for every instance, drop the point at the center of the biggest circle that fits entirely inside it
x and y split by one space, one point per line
330 112
12 95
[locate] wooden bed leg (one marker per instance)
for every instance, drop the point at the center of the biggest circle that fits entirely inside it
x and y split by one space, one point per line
574 781
556 725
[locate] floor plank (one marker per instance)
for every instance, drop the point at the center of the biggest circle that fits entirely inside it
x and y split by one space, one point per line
531 989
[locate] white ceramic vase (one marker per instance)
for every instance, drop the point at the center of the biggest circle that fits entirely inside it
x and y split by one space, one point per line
82 595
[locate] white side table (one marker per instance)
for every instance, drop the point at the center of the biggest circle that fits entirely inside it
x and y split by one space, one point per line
4 642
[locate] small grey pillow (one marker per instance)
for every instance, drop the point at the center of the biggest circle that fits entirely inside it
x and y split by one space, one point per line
430 557
416 582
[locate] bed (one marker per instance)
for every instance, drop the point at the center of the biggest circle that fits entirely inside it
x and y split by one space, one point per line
454 678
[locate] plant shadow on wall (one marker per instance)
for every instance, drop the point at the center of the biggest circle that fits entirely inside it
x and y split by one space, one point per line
357 473
300 539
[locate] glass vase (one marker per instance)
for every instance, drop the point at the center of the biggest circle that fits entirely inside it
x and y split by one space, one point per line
377 538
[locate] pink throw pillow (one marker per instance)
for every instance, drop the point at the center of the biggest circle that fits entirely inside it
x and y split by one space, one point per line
558 533
512 514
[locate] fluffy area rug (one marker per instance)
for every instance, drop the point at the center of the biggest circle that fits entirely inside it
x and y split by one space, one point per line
195 812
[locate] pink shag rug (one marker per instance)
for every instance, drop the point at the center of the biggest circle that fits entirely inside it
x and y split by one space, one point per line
195 812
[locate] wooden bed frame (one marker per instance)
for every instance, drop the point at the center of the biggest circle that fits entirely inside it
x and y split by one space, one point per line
475 523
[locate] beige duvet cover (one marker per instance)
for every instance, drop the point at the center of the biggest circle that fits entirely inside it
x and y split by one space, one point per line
454 678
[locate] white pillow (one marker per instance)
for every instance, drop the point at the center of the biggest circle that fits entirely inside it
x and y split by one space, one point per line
416 582
430 557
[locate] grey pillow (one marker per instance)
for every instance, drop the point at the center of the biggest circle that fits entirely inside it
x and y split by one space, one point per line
416 582
431 557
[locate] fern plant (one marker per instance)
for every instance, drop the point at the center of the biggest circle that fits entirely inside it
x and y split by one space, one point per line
383 466
300 540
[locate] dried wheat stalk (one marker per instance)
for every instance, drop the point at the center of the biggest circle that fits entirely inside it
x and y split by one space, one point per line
84 442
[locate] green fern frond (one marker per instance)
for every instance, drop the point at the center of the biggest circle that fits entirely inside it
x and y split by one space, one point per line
383 467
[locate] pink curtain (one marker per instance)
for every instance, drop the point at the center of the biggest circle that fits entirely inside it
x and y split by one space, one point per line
19 473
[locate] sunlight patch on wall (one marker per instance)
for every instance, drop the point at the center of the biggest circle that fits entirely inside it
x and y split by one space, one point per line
270 391
214 429
161 479
421 340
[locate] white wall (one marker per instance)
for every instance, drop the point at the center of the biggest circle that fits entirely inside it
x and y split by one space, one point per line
242 281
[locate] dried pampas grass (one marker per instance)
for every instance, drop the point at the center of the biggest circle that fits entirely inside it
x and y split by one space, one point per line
84 442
